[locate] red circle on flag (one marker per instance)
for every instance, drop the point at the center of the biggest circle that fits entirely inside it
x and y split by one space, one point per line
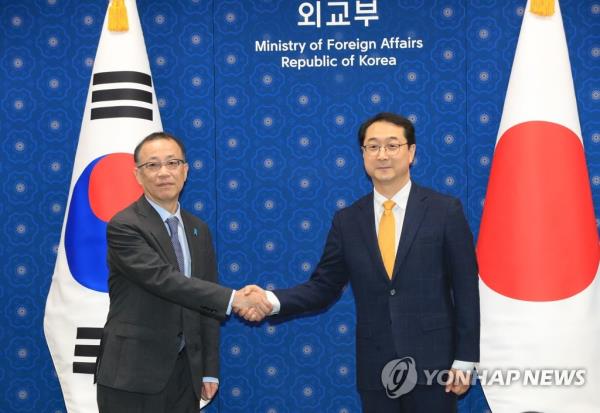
538 239
112 185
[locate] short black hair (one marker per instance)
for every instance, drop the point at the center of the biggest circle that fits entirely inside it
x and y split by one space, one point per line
409 129
153 137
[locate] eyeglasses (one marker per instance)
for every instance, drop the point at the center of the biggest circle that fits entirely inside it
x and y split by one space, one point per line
390 148
154 166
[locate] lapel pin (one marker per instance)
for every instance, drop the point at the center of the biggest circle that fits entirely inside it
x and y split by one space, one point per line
195 232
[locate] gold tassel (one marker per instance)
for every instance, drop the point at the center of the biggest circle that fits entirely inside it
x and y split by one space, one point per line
542 7
117 16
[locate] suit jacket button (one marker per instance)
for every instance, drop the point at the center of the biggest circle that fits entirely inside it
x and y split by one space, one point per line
393 291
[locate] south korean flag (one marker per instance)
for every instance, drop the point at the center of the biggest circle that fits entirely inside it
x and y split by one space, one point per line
120 110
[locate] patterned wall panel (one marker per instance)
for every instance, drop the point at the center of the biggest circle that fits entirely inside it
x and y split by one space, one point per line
302 163
273 155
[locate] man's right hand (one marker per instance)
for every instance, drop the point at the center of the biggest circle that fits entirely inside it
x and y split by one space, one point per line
251 303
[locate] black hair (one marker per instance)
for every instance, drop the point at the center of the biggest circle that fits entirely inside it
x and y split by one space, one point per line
409 129
153 137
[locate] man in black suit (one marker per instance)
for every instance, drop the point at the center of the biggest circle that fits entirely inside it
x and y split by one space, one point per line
408 254
160 347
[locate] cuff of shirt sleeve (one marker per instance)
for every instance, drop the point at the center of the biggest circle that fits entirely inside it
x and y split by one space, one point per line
210 380
230 303
274 302
463 365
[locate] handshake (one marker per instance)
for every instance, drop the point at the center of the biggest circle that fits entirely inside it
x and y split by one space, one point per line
251 303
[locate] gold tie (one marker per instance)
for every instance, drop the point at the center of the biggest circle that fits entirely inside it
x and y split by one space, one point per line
387 237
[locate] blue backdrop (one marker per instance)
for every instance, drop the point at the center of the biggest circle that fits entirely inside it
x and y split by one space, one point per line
273 155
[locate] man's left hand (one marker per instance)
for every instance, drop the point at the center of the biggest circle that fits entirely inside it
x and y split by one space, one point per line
458 381
209 390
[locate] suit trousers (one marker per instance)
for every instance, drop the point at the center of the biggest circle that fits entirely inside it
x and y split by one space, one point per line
177 397
422 399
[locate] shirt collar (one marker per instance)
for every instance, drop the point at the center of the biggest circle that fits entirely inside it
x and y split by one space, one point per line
164 214
400 197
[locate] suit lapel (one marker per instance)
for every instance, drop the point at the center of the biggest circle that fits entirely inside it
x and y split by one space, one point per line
192 235
156 227
366 223
415 211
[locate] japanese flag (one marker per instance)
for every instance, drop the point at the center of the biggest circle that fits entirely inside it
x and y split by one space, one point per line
538 247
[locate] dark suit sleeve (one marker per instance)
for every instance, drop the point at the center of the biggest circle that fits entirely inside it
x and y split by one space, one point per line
461 265
210 328
325 284
134 257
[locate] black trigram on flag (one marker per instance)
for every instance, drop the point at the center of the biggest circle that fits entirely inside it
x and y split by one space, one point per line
140 90
83 348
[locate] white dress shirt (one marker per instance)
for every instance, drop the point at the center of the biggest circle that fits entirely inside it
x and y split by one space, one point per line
401 199
185 248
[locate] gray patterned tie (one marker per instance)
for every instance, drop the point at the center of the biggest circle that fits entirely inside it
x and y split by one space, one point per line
173 224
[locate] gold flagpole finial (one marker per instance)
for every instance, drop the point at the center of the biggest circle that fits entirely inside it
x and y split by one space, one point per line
542 7
117 16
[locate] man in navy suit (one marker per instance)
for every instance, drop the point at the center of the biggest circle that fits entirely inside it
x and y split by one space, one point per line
408 254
